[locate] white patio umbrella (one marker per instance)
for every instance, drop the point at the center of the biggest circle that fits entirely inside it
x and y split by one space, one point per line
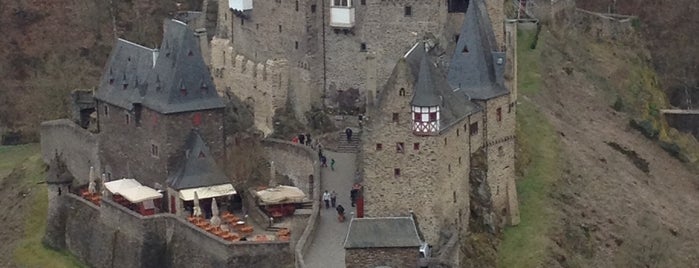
215 220
196 210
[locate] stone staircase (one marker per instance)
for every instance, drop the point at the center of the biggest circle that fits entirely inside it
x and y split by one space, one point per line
349 147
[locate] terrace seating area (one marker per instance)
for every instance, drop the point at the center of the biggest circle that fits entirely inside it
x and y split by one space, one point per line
234 229
95 198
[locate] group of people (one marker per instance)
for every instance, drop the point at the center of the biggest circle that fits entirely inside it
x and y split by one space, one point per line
324 160
303 138
330 199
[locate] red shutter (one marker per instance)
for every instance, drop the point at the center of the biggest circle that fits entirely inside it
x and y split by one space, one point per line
196 119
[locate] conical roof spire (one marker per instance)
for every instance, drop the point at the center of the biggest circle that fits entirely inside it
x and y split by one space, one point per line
425 89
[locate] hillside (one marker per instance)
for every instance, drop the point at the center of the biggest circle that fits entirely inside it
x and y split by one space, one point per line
51 47
669 27
595 192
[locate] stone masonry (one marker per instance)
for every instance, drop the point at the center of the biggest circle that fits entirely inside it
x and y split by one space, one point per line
317 61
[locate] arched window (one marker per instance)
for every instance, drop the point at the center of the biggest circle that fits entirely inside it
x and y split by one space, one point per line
401 92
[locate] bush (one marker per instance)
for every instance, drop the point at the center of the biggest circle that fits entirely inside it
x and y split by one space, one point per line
646 128
618 104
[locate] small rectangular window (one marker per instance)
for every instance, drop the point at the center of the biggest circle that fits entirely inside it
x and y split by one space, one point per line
362 47
395 117
242 21
313 8
296 45
408 11
498 114
280 28
474 128
400 147
362 2
106 110
128 118
297 5
396 172
416 146
154 150
379 146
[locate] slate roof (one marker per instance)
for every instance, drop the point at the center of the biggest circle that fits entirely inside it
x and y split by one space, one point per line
177 80
387 232
425 95
477 68
198 168
128 65
430 82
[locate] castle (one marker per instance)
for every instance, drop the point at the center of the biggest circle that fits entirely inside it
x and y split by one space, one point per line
436 78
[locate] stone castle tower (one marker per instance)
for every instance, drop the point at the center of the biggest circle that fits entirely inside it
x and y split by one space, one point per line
437 125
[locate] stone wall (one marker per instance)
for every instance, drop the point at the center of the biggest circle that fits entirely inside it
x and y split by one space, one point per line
376 257
77 146
113 236
500 115
263 86
127 145
278 38
294 154
296 161
613 27
387 33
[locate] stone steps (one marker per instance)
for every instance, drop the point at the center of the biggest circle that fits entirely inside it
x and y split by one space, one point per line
349 147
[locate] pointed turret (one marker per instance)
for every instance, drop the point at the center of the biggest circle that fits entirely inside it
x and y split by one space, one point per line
477 67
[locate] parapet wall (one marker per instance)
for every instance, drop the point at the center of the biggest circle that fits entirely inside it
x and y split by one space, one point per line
602 26
113 236
77 146
301 160
263 86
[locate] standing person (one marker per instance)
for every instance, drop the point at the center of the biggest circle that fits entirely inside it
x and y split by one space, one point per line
323 161
340 213
348 132
308 139
320 152
332 164
302 138
353 196
326 199
333 198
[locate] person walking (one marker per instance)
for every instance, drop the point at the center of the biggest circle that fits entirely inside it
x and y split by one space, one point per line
340 213
323 161
308 139
326 199
353 196
332 164
348 132
333 198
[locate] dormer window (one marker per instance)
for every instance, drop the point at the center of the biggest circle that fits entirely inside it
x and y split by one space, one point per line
425 120
204 87
183 90
341 14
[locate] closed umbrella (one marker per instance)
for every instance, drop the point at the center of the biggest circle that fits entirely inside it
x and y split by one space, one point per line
196 210
215 220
